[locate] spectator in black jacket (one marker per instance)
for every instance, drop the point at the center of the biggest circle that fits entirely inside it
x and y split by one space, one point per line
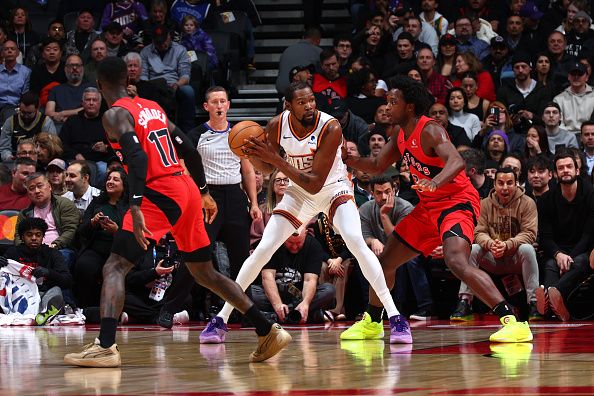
83 135
49 266
524 97
566 221
100 222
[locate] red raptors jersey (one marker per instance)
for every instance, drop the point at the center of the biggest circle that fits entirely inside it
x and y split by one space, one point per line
425 167
150 126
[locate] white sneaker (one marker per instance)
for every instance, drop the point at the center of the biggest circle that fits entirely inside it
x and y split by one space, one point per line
124 318
181 317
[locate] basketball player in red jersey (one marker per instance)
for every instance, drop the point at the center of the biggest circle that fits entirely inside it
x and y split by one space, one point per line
162 199
449 204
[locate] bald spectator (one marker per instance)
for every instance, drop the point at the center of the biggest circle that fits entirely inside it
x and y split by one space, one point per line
14 80
457 134
98 53
14 195
64 100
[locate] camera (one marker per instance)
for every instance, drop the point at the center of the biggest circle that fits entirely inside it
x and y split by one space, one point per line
293 317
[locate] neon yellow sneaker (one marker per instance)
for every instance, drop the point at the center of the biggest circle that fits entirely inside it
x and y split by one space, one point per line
512 331
364 329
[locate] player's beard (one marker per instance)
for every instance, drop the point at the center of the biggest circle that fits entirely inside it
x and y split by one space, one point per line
306 122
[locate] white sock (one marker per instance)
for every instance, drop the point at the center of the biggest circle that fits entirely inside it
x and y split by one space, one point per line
347 222
275 234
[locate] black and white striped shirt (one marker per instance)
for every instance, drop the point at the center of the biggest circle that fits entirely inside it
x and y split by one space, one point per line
221 166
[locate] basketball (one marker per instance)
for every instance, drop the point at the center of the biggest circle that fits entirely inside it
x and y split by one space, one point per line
241 132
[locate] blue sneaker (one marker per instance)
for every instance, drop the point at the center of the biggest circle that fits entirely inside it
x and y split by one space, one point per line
214 333
400 330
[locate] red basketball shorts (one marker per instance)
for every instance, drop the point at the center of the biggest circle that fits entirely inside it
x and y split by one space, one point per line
173 204
430 223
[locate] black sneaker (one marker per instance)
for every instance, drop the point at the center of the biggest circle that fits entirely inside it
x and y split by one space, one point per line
165 319
53 308
422 315
533 314
462 313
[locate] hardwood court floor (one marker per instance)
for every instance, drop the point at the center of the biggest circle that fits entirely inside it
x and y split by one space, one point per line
445 359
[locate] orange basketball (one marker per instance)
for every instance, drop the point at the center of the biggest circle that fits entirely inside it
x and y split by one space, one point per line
241 132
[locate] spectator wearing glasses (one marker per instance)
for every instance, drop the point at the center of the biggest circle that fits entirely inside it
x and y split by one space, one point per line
64 100
343 46
27 123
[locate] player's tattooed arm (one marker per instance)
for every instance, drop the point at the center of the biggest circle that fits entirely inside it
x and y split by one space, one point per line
434 137
387 156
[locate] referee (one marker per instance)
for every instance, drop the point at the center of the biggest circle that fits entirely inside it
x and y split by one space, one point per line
225 174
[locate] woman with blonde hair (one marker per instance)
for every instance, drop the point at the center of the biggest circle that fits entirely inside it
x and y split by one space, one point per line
277 185
48 147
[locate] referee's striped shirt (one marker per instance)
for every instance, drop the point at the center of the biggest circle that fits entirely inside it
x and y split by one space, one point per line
221 166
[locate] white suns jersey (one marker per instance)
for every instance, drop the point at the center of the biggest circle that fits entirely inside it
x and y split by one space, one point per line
300 152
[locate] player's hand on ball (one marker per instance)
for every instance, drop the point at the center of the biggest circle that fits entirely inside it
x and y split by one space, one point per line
210 208
425 185
261 150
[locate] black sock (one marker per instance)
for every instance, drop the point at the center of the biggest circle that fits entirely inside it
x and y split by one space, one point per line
502 309
263 326
107 333
376 313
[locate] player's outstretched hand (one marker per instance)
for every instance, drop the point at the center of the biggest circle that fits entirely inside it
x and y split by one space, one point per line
139 227
210 208
425 185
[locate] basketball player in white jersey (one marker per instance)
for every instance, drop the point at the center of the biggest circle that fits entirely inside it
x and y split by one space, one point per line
312 141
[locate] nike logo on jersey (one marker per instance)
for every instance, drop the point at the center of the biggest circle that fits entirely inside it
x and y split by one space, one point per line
136 196
287 137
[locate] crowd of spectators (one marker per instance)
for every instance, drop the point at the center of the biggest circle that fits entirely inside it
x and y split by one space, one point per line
512 88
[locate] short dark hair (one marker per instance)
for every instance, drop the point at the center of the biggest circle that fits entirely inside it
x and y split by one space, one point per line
379 180
24 161
406 36
507 169
113 71
85 170
474 158
562 154
49 40
327 54
34 176
294 87
30 98
31 223
585 124
539 162
341 37
449 94
413 92
312 32
49 25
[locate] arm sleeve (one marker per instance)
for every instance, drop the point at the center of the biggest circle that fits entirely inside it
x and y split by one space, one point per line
192 158
137 161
